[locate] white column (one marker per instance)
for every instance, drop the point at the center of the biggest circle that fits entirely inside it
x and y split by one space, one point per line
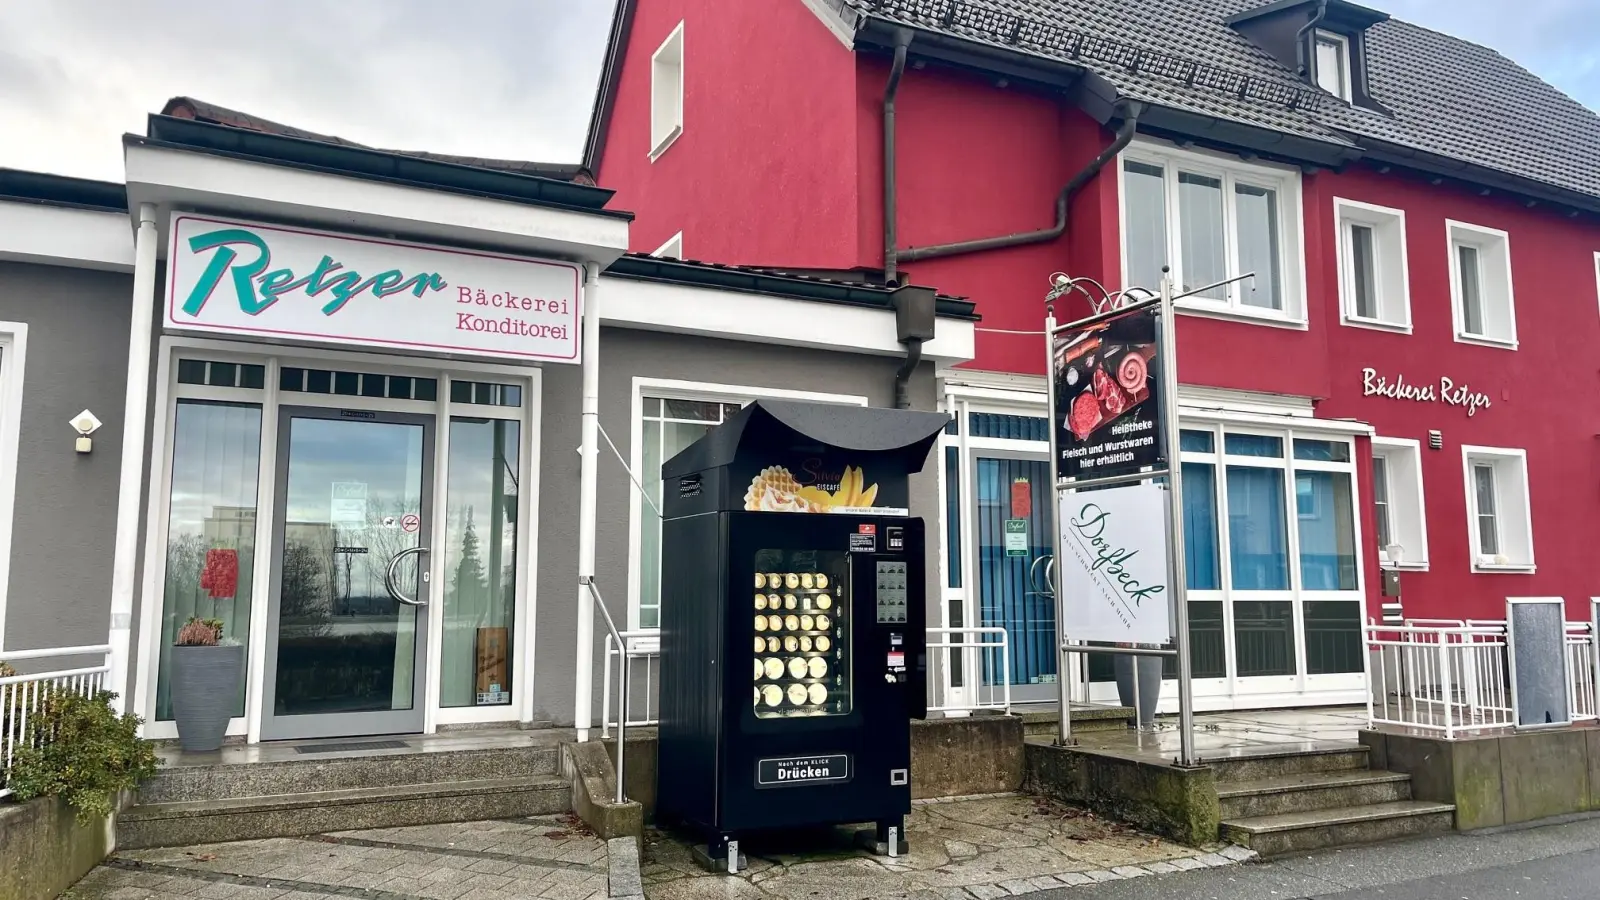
583 701
135 409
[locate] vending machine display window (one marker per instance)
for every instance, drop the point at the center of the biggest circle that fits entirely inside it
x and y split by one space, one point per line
802 634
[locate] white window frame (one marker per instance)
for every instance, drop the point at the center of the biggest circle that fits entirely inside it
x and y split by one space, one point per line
1286 182
1512 502
675 389
1597 276
1408 511
1494 250
1391 264
1347 76
13 366
666 86
672 248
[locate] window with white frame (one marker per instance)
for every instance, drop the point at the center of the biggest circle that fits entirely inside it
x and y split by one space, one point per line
672 249
1480 285
13 354
1402 530
1499 517
1211 218
673 415
1374 281
1333 64
666 93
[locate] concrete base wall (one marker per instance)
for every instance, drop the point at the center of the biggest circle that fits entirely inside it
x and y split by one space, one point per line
1498 779
1179 803
43 849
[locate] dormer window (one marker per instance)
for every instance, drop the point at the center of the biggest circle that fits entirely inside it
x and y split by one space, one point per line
1333 64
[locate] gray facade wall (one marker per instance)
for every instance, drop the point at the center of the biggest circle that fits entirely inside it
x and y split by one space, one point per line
625 354
64 521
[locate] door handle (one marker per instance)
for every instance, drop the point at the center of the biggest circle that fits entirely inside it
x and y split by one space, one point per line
388 577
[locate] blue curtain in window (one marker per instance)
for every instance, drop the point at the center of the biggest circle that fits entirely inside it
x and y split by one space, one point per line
1327 531
1006 596
1200 527
1257 529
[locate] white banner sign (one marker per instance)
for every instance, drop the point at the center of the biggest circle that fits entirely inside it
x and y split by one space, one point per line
243 278
1114 565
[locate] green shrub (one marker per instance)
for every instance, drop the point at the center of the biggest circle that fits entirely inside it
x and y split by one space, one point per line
88 754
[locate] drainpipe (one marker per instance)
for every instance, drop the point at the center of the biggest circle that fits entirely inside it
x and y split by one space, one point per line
902 377
1130 122
891 263
135 408
1302 62
583 677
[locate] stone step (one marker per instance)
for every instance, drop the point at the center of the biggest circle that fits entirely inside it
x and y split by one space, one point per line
230 781
319 812
1274 764
1303 793
1037 723
1300 831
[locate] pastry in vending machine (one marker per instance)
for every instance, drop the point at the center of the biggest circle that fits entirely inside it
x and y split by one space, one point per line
774 623
759 669
771 695
797 667
817 667
823 624
817 694
791 643
823 644
806 580
791 581
772 644
822 580
789 601
761 623
761 644
805 644
798 694
824 601
761 581
772 667
807 623
791 622
761 601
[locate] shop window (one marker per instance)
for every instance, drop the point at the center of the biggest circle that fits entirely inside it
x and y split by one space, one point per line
1402 537
1374 275
1480 285
1200 527
1263 634
480 557
213 373
483 393
1500 528
211 527
952 515
1327 531
293 379
1333 637
1012 428
1210 219
666 93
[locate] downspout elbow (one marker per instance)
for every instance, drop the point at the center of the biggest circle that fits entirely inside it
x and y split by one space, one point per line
902 377
1302 63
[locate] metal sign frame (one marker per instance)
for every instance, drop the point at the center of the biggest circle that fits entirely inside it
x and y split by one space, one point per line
1105 304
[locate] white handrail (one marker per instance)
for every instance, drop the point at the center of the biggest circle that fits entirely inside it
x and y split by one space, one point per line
54 652
973 648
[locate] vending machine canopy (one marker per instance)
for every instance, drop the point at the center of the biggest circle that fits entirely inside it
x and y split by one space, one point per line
781 456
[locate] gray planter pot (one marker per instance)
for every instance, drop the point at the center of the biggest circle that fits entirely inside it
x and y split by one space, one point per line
205 690
1149 684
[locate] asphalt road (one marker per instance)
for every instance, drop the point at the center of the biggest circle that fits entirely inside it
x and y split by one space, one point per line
1548 862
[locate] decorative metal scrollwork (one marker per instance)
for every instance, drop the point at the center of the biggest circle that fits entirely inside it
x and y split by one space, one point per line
1100 299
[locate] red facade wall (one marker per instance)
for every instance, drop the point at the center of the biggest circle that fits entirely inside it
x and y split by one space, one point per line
762 174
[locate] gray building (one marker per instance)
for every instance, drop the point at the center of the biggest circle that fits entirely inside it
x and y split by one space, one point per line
341 405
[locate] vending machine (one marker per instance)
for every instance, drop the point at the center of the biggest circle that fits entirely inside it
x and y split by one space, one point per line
793 623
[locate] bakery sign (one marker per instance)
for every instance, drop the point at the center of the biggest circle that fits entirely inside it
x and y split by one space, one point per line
239 278
1445 391
1107 408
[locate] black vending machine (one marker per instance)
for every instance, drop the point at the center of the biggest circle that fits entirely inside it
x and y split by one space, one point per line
793 623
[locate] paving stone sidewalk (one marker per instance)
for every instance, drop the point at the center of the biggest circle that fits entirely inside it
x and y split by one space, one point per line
969 849
551 857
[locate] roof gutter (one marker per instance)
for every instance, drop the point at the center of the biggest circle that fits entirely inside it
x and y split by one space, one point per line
1124 135
1301 58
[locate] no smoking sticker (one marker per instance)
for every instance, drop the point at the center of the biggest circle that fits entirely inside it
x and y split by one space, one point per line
410 522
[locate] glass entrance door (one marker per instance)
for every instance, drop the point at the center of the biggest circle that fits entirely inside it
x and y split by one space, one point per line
348 612
1011 532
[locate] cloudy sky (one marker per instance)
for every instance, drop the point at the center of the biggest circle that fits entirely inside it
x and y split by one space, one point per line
502 78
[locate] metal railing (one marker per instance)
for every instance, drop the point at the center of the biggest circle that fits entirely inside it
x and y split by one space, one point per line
22 695
1451 675
983 658
643 651
1442 676
622 687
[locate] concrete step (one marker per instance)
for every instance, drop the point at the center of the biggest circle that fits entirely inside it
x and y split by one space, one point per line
290 815
1304 793
1037 723
1276 764
183 783
1299 831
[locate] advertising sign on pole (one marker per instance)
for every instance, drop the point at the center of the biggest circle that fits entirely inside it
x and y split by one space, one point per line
1114 567
1107 393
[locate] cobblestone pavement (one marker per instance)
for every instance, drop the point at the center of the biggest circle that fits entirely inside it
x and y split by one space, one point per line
550 857
970 849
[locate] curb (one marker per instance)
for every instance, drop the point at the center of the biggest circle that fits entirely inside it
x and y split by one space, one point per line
623 881
1226 856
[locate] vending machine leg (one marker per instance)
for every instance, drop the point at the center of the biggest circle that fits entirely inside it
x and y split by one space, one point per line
887 839
720 854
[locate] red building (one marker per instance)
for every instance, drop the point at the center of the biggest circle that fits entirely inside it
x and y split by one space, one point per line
1409 382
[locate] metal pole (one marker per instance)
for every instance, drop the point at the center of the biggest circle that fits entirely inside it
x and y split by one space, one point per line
1178 572
1052 573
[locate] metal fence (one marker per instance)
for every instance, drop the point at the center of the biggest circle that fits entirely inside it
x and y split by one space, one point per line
21 696
983 653
1451 676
